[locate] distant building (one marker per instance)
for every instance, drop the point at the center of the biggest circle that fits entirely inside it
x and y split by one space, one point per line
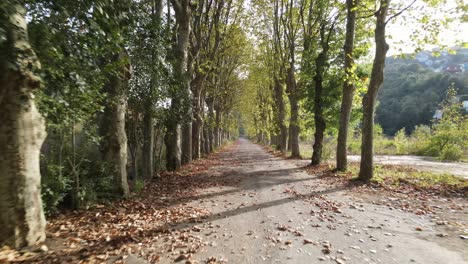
437 114
460 98
465 105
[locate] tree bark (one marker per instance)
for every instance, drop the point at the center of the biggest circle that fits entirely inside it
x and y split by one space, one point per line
294 119
148 143
186 142
206 141
217 129
348 87
197 124
211 137
22 132
366 171
280 115
172 142
112 125
320 124
181 98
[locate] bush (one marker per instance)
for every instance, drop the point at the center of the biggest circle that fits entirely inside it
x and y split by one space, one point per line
354 146
401 142
329 147
419 140
452 153
54 188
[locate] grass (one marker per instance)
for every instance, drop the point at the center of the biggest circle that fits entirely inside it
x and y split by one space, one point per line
396 175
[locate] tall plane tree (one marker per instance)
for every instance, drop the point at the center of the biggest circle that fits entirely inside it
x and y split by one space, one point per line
116 67
291 27
180 109
348 86
327 24
22 133
366 171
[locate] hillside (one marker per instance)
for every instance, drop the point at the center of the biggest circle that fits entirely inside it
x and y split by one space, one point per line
414 87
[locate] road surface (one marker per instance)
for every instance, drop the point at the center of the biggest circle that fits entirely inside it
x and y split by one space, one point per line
280 214
420 163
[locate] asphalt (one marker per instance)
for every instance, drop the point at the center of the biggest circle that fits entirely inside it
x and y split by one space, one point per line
280 214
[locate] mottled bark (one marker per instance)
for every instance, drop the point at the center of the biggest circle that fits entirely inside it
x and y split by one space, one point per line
133 144
186 142
280 114
148 142
206 141
172 142
294 119
366 171
22 133
211 137
112 125
197 124
348 87
217 129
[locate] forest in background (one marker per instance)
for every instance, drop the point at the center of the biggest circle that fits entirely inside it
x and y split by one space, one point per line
414 88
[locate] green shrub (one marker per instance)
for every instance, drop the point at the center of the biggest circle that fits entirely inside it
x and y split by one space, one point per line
354 146
452 153
419 140
401 142
329 148
54 188
138 186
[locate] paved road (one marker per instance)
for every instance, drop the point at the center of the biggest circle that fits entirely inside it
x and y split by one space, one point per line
280 214
421 163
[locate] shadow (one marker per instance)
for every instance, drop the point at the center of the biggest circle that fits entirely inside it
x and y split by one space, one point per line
118 241
264 179
178 188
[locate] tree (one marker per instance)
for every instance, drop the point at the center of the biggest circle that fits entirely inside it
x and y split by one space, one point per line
112 124
366 170
327 27
207 22
348 86
22 133
180 94
117 71
291 25
278 71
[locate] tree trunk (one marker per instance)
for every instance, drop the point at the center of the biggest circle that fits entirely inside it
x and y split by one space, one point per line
197 125
366 171
181 98
348 87
280 116
186 142
133 144
320 124
172 142
112 126
22 133
211 140
148 142
206 140
294 120
217 129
